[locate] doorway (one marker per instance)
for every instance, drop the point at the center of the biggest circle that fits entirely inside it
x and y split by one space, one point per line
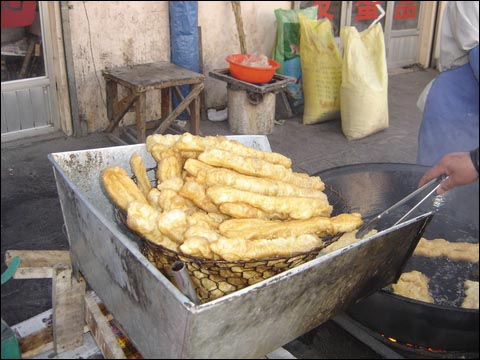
28 98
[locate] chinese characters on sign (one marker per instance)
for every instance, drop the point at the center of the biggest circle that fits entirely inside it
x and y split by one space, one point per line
366 10
330 10
323 7
405 10
364 13
406 15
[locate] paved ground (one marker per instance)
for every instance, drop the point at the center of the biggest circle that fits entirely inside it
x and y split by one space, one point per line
31 217
321 146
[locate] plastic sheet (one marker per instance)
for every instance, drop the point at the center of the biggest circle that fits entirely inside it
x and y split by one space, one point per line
184 39
364 89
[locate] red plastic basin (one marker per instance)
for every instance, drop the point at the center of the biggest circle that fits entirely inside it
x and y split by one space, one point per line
256 75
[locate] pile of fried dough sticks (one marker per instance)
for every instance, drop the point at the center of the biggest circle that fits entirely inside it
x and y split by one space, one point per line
218 199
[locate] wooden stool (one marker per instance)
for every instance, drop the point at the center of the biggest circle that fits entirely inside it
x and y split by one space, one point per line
139 79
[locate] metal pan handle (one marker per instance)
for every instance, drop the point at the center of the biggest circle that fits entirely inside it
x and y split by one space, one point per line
365 228
440 179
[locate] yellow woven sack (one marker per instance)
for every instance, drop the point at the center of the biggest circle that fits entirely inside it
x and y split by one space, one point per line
321 70
364 89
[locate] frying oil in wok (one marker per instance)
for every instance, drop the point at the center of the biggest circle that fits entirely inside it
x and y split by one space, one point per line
447 276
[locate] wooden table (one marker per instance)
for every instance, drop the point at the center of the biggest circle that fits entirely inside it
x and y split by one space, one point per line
138 80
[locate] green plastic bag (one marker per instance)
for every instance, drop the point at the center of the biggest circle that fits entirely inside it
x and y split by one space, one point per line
288 33
287 51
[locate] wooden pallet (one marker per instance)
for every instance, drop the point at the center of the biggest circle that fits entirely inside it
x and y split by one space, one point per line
78 325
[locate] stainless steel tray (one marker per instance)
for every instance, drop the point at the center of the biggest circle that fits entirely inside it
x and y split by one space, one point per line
163 323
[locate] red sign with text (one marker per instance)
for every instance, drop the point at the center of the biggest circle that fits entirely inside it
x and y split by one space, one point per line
366 10
323 7
405 10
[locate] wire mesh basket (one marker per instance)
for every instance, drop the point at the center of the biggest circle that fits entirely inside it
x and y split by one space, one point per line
213 279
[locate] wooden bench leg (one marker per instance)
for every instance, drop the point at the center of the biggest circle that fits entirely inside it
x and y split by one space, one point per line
195 91
165 102
195 115
140 105
116 110
112 97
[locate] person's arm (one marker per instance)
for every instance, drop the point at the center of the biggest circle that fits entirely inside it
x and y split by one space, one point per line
461 169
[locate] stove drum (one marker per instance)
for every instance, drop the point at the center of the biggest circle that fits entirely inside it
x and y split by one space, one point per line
251 113
412 322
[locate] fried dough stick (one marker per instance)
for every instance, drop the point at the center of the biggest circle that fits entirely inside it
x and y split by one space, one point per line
242 211
264 186
143 219
173 223
453 250
471 295
139 170
293 207
258 167
189 142
121 188
155 225
252 229
239 149
166 196
195 192
166 141
243 249
197 241
153 199
345 240
413 285
168 199
197 169
206 220
157 143
170 165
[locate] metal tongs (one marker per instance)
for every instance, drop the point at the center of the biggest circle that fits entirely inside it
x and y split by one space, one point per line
365 228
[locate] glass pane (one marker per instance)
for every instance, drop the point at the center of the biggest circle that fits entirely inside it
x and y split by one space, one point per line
21 47
364 14
327 9
405 15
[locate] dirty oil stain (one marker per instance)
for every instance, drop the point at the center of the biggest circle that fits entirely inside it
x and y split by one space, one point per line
128 52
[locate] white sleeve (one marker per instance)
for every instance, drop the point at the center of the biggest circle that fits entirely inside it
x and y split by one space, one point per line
422 99
459 33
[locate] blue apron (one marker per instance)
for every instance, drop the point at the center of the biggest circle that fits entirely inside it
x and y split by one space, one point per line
450 118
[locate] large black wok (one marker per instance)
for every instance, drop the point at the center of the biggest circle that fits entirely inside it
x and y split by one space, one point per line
372 188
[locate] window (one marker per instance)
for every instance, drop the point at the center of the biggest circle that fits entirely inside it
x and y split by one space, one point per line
331 10
364 14
405 15
21 47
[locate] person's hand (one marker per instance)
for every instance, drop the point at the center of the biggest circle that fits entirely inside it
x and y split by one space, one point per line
458 167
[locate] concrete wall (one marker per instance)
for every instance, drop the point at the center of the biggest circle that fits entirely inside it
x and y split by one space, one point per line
109 34
220 37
